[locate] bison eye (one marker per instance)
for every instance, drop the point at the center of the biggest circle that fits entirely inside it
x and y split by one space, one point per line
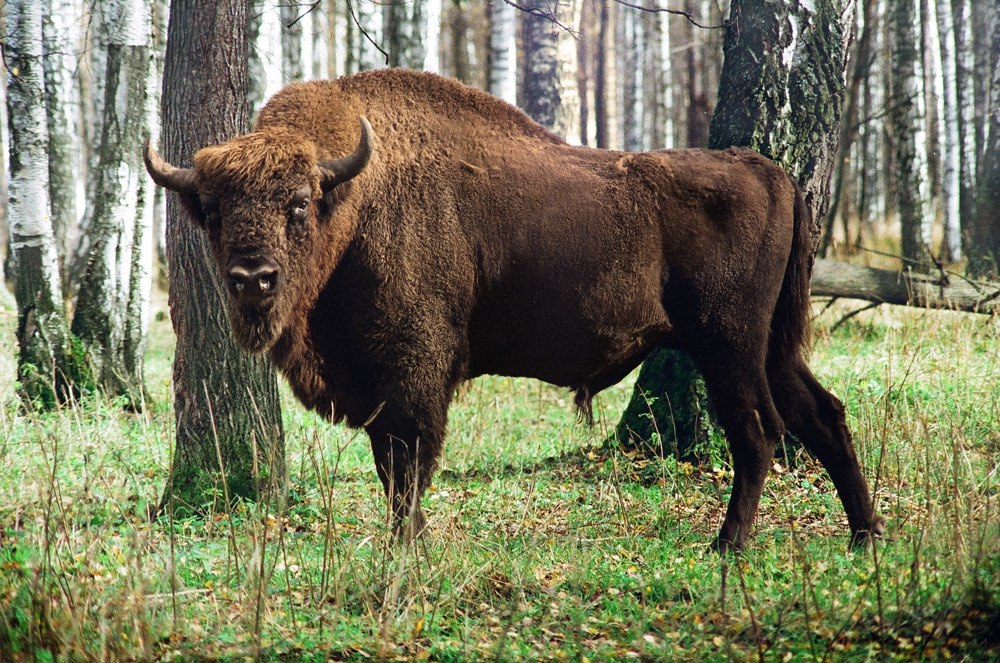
299 210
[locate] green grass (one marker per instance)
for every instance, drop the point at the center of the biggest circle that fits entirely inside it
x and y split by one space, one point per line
542 544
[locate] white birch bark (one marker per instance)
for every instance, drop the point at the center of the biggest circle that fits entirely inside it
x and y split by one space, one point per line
502 55
906 117
112 308
966 111
61 43
42 333
337 45
432 41
318 30
948 132
630 78
540 89
568 113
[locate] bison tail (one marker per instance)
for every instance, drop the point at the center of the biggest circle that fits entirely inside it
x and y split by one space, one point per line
790 324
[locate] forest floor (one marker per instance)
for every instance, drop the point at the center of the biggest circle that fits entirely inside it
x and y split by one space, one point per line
544 542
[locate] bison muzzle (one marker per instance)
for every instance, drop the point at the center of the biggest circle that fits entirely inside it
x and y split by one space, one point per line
388 235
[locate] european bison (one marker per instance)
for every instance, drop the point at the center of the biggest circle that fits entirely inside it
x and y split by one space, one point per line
452 236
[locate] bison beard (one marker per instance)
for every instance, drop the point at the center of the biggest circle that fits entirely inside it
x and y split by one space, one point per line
460 238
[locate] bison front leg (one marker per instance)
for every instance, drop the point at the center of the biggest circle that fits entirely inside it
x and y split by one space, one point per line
406 456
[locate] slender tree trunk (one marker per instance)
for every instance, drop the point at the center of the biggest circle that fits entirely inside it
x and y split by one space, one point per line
951 247
630 78
120 228
986 229
602 120
965 97
502 55
432 57
293 21
781 92
567 122
370 35
42 334
226 402
61 43
405 33
698 114
540 81
906 116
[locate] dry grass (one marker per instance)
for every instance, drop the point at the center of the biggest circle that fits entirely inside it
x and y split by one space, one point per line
543 543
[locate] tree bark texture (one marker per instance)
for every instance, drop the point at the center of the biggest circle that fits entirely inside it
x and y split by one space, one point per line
405 33
61 44
118 268
781 93
965 97
540 85
906 118
832 278
502 55
44 366
984 256
228 417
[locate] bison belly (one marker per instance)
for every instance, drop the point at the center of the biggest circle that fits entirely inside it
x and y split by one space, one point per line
566 334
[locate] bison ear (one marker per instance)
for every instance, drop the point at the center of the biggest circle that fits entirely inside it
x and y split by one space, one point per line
338 171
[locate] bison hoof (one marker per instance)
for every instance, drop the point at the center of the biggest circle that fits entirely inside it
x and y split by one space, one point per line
725 546
407 530
861 537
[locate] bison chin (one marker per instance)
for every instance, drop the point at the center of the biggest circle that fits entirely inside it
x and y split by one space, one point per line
255 330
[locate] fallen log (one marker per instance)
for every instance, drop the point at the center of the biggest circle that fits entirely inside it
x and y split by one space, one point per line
833 278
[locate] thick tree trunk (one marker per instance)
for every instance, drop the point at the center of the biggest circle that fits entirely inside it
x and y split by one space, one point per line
226 402
781 93
121 226
840 279
42 335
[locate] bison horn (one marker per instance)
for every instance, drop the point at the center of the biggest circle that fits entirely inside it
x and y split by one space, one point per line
170 177
338 171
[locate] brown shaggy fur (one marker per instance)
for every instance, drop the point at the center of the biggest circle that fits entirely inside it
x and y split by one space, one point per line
475 242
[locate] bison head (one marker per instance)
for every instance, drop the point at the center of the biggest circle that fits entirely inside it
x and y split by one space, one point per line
267 203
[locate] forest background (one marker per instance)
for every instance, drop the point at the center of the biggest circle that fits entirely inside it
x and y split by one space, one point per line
601 552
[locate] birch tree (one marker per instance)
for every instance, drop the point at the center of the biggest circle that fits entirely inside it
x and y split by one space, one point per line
630 78
42 334
984 256
405 30
906 118
61 44
567 122
948 135
540 80
965 99
293 20
112 308
502 55
432 57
